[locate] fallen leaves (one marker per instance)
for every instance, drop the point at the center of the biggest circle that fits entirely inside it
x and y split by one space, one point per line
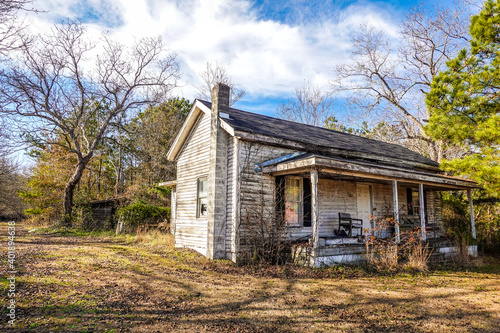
102 284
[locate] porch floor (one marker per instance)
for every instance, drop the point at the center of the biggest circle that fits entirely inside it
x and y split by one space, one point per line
334 251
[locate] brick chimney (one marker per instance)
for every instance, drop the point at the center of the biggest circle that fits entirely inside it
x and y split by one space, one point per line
217 176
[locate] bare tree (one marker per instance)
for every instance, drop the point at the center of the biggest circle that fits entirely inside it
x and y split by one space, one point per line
216 73
389 78
59 97
311 106
11 27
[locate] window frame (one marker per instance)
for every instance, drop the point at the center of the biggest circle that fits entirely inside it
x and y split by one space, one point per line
413 201
199 180
300 222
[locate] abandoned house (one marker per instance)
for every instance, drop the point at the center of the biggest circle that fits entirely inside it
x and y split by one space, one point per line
232 166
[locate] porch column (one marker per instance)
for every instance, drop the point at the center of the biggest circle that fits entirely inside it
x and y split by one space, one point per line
422 210
315 210
396 209
471 209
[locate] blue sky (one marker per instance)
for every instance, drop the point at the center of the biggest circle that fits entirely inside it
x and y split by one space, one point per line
268 47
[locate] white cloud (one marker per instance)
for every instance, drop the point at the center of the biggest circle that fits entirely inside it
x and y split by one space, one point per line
264 57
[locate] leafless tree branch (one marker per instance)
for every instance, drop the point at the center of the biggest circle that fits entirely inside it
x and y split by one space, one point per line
216 73
388 78
311 106
54 90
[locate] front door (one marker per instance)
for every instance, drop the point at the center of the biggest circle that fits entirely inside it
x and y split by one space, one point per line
364 203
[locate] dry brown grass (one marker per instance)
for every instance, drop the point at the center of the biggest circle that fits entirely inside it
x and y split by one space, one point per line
154 238
418 257
109 284
382 257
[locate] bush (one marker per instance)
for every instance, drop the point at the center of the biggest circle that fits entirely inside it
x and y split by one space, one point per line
139 214
383 252
487 217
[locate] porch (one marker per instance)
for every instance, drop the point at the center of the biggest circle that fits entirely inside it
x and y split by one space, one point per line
369 192
335 253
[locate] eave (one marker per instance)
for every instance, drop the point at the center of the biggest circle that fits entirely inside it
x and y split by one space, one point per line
186 129
369 171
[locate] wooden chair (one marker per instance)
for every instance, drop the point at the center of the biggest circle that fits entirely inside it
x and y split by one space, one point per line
409 223
346 221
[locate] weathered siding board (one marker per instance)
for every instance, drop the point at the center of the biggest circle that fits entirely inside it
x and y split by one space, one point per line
236 201
382 200
229 196
173 209
193 163
334 197
257 190
383 203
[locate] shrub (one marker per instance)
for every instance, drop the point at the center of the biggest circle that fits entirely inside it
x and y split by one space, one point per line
418 257
382 252
385 253
487 217
139 214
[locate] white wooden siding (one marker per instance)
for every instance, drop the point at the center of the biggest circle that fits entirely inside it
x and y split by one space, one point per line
335 197
229 196
173 209
193 163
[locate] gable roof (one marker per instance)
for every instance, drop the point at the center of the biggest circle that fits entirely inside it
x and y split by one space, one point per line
183 134
243 121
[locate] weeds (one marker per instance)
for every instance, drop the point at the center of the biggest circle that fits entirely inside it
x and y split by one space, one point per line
154 238
383 252
418 257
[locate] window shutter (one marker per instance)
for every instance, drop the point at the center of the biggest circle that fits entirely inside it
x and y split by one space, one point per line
307 202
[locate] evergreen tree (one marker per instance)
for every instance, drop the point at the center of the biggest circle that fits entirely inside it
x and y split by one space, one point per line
464 102
152 134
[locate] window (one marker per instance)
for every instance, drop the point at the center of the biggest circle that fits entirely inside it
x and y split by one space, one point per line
293 201
413 201
202 204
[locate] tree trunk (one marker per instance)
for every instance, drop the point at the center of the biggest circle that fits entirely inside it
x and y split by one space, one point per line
99 178
69 190
118 172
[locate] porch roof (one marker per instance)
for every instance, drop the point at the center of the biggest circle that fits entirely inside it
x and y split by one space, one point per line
366 170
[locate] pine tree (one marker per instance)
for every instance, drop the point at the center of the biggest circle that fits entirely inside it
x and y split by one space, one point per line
465 99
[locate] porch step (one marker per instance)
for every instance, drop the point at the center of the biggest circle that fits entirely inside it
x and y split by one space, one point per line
438 257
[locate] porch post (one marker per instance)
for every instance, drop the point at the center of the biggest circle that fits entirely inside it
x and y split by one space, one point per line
396 208
422 210
314 210
471 209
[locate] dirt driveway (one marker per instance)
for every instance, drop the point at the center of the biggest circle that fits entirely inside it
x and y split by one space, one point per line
68 283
